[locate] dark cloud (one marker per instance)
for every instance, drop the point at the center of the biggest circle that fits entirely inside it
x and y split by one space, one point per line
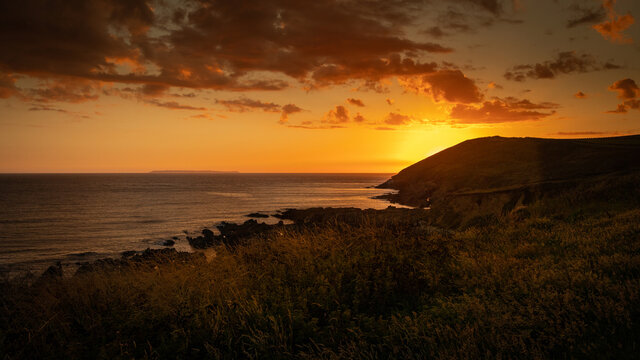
7 86
356 102
398 119
359 118
47 108
580 95
370 71
586 15
386 128
448 85
436 32
246 104
629 92
492 6
206 44
501 111
565 63
338 115
173 105
309 126
467 16
627 89
65 90
287 110
612 28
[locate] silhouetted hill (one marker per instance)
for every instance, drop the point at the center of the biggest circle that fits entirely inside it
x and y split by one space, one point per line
498 164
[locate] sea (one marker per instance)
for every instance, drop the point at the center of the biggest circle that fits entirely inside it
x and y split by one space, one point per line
74 218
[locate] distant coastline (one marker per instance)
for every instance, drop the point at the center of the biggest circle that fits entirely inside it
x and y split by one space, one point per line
192 172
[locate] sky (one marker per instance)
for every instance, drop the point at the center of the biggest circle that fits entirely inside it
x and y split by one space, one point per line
304 86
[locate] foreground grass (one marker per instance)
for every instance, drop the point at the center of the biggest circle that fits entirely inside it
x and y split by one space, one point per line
538 287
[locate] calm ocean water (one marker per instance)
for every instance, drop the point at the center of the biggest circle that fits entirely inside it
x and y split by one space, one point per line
79 217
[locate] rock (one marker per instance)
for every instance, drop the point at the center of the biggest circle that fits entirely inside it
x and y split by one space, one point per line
129 253
197 242
257 215
149 257
54 271
168 243
208 234
202 242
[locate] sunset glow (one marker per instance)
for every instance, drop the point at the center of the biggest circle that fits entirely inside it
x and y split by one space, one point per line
296 86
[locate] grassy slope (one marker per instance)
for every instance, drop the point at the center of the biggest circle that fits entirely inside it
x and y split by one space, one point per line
559 280
496 163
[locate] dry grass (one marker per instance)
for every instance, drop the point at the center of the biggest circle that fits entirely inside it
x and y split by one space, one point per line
547 286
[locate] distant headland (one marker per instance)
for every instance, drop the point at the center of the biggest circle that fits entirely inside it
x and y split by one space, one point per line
192 172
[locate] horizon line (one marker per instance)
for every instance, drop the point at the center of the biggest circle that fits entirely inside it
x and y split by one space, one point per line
188 172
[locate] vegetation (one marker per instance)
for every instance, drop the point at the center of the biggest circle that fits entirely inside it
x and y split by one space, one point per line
500 268
512 164
558 279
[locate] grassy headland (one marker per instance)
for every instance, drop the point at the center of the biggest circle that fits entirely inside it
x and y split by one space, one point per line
557 277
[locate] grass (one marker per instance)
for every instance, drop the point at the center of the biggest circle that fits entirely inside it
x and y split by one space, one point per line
544 285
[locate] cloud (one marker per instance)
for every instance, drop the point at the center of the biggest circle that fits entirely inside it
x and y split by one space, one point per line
586 15
389 101
47 108
627 89
309 126
397 119
565 63
581 133
620 109
287 110
371 71
356 102
501 111
448 85
65 90
245 104
7 86
612 28
436 32
338 115
629 92
173 105
202 116
359 118
580 95
252 45
493 85
384 128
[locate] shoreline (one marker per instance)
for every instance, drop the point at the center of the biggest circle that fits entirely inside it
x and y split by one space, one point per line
225 233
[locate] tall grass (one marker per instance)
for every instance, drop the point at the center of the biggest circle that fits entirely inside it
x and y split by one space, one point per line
538 287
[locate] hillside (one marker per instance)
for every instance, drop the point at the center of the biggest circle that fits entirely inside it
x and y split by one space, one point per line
503 165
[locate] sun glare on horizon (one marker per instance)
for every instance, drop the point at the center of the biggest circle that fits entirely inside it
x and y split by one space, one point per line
326 86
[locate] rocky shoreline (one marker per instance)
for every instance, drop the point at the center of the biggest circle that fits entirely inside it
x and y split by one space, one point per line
230 235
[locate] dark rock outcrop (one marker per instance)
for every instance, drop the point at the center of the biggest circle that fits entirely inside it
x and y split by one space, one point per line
257 215
149 257
53 271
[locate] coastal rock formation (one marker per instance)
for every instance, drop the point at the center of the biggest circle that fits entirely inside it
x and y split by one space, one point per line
257 215
149 257
501 175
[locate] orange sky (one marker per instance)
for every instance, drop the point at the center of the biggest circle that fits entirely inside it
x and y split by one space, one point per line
294 86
